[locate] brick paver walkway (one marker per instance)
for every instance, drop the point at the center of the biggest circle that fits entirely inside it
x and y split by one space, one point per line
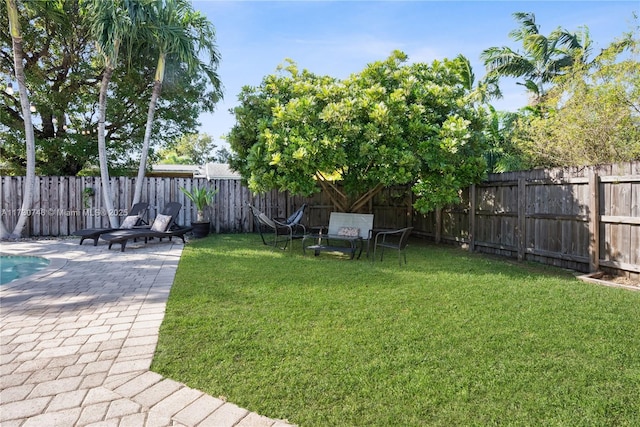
77 340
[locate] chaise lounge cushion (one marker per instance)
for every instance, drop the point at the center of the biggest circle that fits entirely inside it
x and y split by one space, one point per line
161 223
129 221
349 231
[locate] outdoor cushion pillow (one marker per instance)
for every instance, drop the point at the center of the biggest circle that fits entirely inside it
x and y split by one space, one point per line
129 221
349 231
161 223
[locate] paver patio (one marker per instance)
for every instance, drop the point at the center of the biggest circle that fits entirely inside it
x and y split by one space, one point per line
78 338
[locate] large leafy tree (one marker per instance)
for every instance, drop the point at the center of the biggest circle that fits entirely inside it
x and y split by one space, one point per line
180 34
192 149
62 74
392 123
591 115
542 59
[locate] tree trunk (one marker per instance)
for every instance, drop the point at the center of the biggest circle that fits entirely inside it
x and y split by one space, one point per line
102 149
157 88
16 37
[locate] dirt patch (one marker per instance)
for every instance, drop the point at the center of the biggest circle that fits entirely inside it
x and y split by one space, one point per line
608 280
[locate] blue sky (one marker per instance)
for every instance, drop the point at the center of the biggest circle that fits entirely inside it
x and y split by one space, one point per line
338 38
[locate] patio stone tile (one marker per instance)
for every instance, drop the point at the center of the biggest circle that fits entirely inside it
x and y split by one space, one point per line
93 413
51 388
24 347
122 407
48 343
255 420
93 330
173 403
99 338
14 379
9 367
118 335
119 327
24 338
89 347
95 367
16 393
93 380
70 326
32 365
49 335
59 351
100 395
109 354
7 349
75 340
198 410
46 328
121 367
143 340
138 384
226 415
116 380
63 361
157 392
111 344
133 420
61 418
23 408
67 400
27 356
72 371
89 357
47 374
138 350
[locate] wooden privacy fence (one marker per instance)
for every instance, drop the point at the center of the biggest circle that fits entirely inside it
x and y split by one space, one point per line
585 219
64 204
579 218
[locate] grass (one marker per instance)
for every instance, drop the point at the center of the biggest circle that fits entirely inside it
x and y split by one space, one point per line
452 338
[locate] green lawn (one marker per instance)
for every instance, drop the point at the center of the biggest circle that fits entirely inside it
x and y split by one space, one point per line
451 339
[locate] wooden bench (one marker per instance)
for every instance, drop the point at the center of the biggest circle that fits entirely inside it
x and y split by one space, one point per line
349 228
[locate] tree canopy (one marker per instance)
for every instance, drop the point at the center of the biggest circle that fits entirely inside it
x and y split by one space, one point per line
63 72
591 115
192 149
393 123
543 57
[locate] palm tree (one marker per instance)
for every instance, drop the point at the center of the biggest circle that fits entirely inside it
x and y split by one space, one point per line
543 58
178 32
112 23
16 36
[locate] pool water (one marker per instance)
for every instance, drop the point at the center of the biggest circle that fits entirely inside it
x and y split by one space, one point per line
14 267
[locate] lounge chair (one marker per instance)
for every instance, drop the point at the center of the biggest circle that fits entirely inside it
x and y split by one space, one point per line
282 232
134 219
295 217
163 226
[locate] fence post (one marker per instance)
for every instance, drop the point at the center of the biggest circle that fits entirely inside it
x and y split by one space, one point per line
438 225
521 235
594 221
472 218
